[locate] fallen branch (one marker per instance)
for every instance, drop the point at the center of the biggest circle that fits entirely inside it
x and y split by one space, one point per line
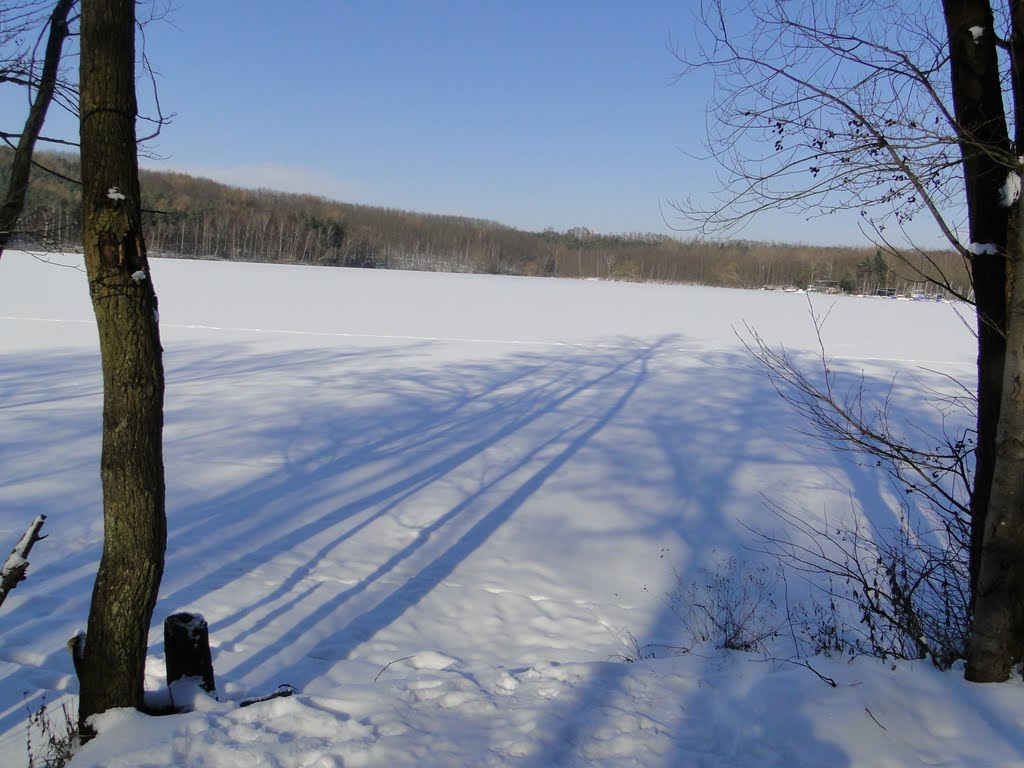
807 665
283 691
404 658
16 565
875 719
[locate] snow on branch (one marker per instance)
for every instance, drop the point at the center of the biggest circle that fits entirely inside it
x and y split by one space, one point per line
16 565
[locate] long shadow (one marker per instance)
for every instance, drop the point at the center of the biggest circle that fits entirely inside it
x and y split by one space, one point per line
474 419
53 603
81 427
375 456
728 426
414 588
707 447
482 430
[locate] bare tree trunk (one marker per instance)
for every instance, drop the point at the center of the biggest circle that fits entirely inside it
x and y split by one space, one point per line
997 629
21 164
135 530
997 634
978 102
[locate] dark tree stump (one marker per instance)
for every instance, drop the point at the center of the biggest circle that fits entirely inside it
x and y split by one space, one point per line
187 649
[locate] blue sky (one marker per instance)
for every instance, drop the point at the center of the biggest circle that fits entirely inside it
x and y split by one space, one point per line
534 113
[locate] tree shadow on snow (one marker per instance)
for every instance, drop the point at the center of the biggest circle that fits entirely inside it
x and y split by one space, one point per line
284 469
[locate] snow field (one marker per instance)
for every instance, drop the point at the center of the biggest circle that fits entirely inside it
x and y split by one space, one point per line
434 504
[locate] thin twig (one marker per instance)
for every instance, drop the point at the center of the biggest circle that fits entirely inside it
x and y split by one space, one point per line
404 658
875 719
807 665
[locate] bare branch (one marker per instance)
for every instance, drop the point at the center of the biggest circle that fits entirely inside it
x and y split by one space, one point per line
823 109
843 421
16 565
21 166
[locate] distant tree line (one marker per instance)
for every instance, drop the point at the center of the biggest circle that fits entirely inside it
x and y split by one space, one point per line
189 217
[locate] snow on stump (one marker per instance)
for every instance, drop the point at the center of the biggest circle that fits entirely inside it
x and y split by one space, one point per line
187 649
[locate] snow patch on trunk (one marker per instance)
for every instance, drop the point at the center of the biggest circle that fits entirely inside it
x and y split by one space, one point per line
1010 192
982 249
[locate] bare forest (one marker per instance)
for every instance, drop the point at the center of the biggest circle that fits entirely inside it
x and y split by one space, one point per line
190 217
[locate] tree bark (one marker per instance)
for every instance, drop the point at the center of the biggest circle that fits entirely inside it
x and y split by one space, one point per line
997 504
21 164
997 633
125 305
978 104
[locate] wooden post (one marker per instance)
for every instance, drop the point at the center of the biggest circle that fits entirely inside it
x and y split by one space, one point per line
187 649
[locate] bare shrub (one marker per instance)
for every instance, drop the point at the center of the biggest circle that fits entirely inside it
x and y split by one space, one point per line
731 605
906 588
937 468
908 584
636 651
898 592
56 736
823 630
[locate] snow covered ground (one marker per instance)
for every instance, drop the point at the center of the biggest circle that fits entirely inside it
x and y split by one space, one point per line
438 506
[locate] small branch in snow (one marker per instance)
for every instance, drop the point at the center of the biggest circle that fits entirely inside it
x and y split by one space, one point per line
824 678
976 33
116 194
16 565
138 275
875 719
283 691
807 665
981 249
404 658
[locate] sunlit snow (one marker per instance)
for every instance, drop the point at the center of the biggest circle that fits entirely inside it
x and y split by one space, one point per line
439 506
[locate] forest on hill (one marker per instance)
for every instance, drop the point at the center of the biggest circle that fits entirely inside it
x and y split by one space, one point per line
190 217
